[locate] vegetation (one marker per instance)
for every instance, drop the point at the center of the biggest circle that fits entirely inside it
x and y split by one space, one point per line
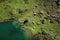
38 13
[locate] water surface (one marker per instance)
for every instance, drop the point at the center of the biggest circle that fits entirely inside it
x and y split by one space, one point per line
11 30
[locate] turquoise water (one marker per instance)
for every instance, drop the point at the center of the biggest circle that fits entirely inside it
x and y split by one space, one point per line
11 30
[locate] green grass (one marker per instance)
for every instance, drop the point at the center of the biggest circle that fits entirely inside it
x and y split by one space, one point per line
19 4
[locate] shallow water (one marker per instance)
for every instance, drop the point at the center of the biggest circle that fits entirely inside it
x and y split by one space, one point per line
11 30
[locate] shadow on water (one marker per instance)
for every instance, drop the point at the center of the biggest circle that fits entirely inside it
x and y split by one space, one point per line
12 31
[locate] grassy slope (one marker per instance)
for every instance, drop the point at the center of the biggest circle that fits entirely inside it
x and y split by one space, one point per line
16 4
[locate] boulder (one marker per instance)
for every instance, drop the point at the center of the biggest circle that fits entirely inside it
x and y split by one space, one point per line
51 21
25 21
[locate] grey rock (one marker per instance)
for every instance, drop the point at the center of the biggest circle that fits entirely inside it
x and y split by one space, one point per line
51 21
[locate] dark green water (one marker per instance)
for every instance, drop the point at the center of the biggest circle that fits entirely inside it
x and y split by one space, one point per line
12 31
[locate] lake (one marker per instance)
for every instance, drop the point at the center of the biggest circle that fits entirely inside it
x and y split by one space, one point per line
11 30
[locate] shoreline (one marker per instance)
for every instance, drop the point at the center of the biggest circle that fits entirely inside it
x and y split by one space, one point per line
29 33
23 27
